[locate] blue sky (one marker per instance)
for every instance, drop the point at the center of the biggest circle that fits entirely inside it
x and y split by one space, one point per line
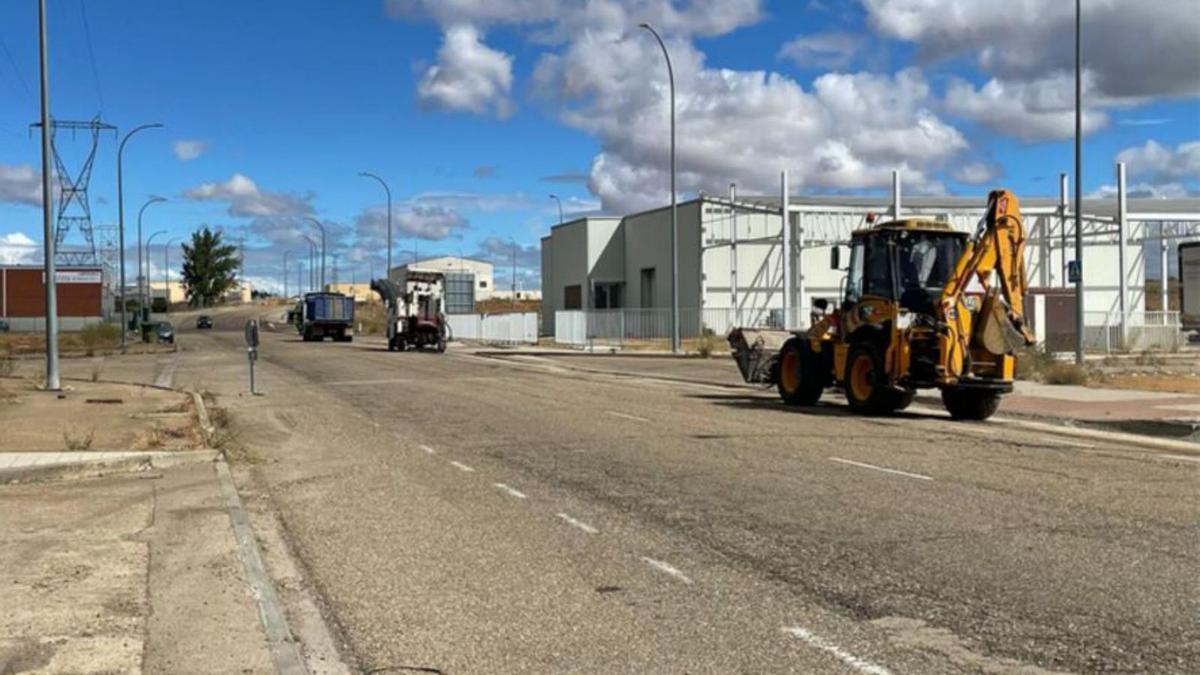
475 111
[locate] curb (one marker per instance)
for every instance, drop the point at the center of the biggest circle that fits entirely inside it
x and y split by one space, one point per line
206 428
1175 430
101 467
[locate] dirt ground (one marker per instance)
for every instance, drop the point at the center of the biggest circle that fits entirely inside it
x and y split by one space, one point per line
95 416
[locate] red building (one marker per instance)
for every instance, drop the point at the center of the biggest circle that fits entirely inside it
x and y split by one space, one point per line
82 296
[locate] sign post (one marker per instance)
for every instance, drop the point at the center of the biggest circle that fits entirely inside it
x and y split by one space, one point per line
252 349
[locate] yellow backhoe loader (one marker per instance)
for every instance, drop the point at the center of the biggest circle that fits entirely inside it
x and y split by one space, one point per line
922 306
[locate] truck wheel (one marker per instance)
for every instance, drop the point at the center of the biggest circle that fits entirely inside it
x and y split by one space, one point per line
867 390
970 404
441 346
799 379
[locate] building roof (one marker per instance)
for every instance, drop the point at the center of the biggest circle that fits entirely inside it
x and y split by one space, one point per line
1096 207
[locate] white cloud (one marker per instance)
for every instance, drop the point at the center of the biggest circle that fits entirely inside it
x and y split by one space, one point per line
1160 164
186 151
977 173
824 50
20 184
555 21
247 200
468 76
1133 51
431 223
1156 171
1037 110
17 249
849 132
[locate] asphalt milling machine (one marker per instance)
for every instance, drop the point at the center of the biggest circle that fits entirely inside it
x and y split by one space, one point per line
923 306
415 302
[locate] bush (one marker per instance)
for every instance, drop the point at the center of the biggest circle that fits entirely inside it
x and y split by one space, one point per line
1065 373
99 335
1033 362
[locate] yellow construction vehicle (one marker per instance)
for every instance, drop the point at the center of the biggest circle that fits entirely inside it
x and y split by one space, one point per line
922 306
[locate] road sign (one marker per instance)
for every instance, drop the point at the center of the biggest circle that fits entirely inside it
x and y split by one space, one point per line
251 332
1074 271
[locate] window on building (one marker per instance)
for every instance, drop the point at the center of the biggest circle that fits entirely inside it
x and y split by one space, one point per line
483 283
607 296
573 297
648 287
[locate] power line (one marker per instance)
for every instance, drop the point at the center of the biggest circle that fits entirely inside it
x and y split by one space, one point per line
16 71
87 31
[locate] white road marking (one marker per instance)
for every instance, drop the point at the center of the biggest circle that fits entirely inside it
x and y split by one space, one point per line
462 467
1186 458
579 523
667 569
511 491
857 663
879 468
428 450
635 418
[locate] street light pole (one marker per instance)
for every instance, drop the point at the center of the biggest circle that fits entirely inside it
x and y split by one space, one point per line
1079 314
167 272
312 262
285 277
152 200
148 240
121 223
560 211
321 227
367 174
53 382
675 343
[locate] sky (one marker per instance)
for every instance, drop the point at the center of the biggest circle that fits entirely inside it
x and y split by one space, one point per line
475 111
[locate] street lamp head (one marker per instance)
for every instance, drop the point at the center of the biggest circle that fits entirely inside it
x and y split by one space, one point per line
645 25
553 196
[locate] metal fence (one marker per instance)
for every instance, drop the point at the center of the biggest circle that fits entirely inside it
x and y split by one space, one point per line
1140 331
652 327
519 328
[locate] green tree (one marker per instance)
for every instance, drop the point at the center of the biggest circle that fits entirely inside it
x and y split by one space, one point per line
209 268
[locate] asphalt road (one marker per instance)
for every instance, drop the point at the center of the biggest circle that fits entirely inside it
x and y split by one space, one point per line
475 514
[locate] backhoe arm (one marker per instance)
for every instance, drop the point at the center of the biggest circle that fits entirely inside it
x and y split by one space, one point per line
999 326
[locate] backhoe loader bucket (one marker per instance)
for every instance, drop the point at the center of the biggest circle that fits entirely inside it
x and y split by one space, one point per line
756 351
995 330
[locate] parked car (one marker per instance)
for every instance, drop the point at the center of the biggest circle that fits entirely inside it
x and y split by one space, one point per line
204 321
4 327
166 332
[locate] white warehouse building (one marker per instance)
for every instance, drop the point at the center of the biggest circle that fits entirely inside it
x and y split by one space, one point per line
483 272
732 269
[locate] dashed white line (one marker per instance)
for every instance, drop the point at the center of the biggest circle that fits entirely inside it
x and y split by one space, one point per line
462 467
622 415
511 491
855 662
880 468
578 523
667 569
428 450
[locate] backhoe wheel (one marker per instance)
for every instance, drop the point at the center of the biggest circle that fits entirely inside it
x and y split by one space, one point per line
970 404
799 380
902 399
866 381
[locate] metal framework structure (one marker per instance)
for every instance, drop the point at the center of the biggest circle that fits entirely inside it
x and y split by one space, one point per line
823 222
74 211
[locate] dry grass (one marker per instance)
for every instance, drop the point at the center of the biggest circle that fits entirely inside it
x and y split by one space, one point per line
372 316
93 338
500 306
81 442
1040 366
6 364
1178 383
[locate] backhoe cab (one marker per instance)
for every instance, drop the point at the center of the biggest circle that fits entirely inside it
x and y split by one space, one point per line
922 306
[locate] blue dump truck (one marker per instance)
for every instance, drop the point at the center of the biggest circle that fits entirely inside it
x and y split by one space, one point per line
322 315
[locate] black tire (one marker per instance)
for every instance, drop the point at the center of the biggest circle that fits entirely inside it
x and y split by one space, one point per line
799 378
902 399
970 404
865 379
441 346
401 344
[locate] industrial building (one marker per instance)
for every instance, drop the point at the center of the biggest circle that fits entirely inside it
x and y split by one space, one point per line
82 296
468 281
732 269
